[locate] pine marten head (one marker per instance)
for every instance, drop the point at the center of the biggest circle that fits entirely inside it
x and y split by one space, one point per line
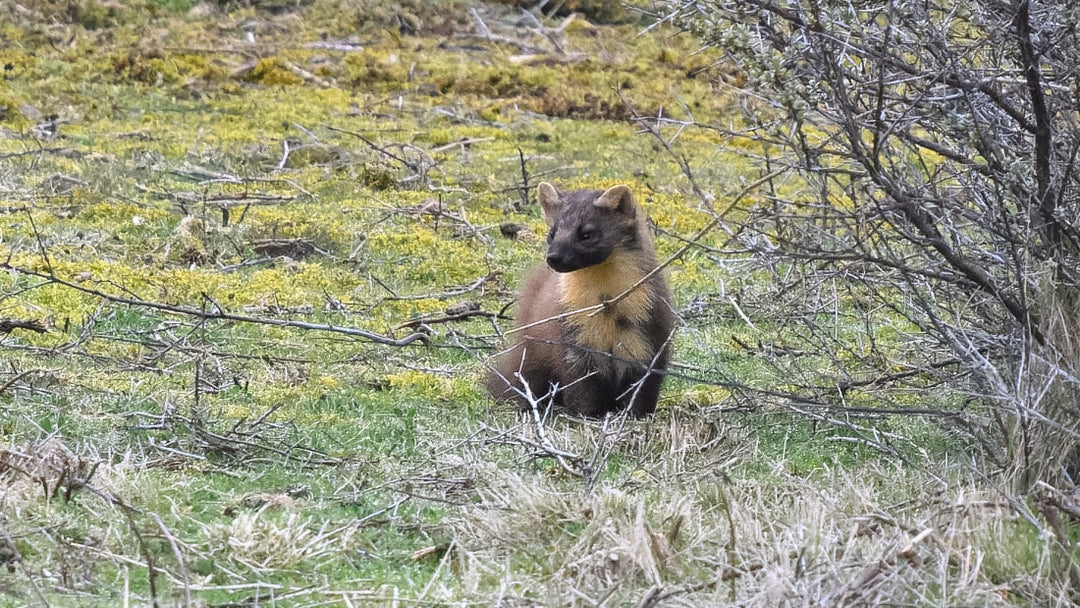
586 226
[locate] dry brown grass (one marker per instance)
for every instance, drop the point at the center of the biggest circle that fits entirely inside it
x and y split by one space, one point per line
686 528
263 544
677 515
45 468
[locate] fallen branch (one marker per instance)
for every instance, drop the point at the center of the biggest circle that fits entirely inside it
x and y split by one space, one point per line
16 378
416 167
216 313
484 33
222 201
206 177
414 323
452 292
461 143
308 76
61 151
7 325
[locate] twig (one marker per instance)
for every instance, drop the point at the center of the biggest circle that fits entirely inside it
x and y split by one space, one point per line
285 151
524 180
60 150
308 76
222 201
129 514
7 325
232 439
739 311
461 143
218 314
206 176
17 558
414 323
716 221
656 593
485 34
547 32
560 456
412 166
438 570
40 242
681 160
394 505
15 379
179 557
604 449
859 591
443 295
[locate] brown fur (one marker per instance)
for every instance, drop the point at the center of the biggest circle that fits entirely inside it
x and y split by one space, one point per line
600 361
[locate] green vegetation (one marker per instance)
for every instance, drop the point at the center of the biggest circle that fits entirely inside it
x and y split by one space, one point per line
178 178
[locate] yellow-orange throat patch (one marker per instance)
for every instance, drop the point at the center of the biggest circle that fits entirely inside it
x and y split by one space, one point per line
619 329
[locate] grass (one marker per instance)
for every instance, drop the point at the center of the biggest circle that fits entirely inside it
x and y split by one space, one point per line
309 173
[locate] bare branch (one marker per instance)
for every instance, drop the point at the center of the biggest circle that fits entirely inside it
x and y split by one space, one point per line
216 313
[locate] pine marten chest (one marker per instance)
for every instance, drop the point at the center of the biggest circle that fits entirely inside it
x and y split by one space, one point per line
621 329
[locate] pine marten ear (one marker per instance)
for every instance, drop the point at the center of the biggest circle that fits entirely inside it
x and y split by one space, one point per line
617 198
550 202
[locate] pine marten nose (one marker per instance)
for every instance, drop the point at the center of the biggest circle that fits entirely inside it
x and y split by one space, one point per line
557 262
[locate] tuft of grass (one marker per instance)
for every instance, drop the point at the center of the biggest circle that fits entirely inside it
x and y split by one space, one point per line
686 524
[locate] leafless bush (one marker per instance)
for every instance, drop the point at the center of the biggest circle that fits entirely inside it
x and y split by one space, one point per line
925 216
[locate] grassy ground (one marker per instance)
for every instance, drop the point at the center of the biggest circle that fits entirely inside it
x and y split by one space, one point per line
196 200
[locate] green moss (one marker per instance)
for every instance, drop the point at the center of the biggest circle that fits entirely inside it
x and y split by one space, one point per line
173 6
11 114
383 69
96 14
273 71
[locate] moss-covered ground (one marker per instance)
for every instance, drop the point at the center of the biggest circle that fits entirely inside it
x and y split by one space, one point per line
200 204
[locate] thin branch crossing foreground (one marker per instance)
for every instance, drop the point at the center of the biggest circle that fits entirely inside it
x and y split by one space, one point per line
216 312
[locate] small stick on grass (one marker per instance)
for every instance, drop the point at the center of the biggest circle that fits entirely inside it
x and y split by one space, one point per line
414 323
524 180
15 379
568 461
217 314
179 557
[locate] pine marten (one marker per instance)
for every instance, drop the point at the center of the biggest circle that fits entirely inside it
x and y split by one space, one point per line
602 360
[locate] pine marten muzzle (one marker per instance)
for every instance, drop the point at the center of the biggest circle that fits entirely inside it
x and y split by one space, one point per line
598 360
